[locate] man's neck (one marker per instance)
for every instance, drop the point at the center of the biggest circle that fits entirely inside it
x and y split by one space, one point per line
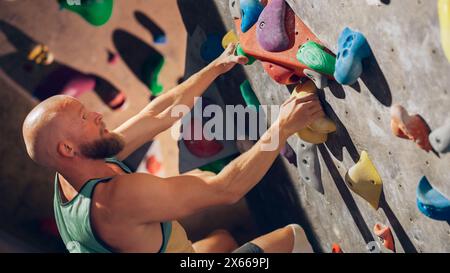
78 173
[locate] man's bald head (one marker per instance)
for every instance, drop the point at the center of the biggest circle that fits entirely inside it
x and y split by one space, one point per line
61 128
42 128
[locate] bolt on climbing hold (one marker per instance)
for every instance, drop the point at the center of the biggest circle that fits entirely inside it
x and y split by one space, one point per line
431 202
288 153
314 56
241 52
322 125
229 38
444 19
249 95
150 71
364 180
271 30
352 49
250 11
319 80
96 12
235 8
281 74
196 142
411 127
440 138
312 137
308 165
40 54
385 236
335 248
218 165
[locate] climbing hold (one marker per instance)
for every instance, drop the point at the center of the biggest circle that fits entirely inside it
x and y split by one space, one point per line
249 95
335 248
250 11
440 138
385 235
352 49
280 74
113 58
240 52
431 202
312 137
211 48
153 165
271 31
308 165
229 38
151 70
322 125
364 180
78 85
200 147
40 54
288 153
235 8
410 127
319 80
314 56
444 19
95 12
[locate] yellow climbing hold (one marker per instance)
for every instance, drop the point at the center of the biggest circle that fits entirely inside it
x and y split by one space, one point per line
444 18
229 38
316 133
364 180
312 137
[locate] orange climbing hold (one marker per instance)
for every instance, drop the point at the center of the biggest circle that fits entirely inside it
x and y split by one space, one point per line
411 127
385 235
335 248
286 69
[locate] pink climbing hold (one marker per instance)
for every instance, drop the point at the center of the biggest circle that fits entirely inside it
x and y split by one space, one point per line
78 85
271 30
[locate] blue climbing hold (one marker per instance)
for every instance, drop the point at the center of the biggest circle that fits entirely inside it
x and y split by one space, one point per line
352 49
211 48
250 11
431 202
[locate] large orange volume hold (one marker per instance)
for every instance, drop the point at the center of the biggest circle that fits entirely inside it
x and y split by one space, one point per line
288 69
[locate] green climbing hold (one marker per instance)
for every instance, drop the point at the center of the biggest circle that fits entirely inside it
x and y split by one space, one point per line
315 57
249 95
218 165
96 12
150 71
241 52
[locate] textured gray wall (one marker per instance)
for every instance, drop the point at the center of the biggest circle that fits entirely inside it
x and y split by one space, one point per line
409 68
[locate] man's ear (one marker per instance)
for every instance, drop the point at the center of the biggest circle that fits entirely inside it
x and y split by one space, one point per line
66 149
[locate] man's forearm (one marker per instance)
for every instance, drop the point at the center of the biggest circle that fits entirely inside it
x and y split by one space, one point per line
243 173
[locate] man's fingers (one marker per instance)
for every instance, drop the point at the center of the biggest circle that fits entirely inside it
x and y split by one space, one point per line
231 48
306 98
240 59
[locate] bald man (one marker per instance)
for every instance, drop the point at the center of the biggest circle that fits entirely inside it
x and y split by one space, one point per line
100 206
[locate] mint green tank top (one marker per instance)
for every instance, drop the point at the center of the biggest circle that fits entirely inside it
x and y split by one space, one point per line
74 218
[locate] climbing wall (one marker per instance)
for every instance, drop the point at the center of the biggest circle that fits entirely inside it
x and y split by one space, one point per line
409 68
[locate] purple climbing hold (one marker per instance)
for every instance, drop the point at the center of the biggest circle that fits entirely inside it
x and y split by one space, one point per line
289 154
271 31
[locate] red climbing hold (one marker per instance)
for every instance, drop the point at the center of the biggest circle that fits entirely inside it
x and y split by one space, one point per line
153 165
335 248
411 127
197 144
385 235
